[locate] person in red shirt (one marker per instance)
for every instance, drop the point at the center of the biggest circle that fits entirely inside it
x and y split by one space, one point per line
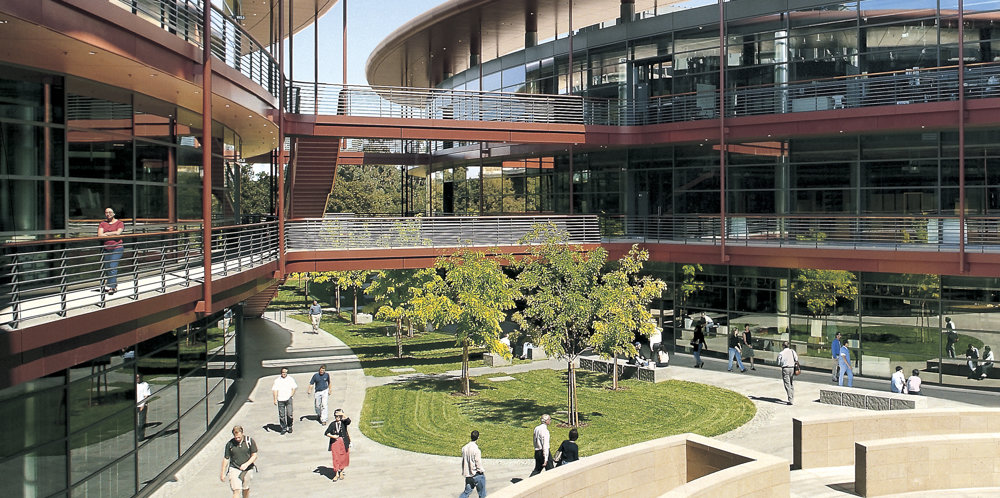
110 229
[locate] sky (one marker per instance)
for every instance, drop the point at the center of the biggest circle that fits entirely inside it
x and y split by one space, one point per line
368 23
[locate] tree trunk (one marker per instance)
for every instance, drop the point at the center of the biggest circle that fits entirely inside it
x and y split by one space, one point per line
409 327
354 312
399 338
572 419
465 368
614 374
337 304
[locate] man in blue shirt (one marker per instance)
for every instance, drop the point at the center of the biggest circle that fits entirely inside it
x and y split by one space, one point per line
835 354
315 314
845 366
321 381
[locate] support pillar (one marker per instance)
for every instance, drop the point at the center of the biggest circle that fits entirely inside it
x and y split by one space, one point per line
627 10
531 25
206 158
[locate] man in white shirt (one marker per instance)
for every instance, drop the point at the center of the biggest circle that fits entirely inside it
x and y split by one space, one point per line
898 383
787 359
472 468
283 389
141 393
543 460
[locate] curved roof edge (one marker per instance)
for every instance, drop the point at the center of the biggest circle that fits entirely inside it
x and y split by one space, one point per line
438 41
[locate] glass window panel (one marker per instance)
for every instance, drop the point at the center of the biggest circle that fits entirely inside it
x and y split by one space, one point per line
194 424
88 200
216 401
193 348
152 161
35 412
117 480
102 439
24 203
39 473
158 452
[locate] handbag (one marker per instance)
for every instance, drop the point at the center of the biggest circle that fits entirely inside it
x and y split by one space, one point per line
798 370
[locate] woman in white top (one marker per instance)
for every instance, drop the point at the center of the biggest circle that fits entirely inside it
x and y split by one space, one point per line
913 383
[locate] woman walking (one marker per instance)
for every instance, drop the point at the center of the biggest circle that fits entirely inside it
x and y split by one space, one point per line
698 344
748 345
340 443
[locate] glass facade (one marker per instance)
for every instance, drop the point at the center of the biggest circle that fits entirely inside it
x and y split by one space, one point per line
894 319
77 432
764 45
72 147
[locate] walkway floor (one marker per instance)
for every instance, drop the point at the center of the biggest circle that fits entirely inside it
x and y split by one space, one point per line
298 463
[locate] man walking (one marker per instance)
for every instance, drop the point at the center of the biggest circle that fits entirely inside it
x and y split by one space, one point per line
835 354
787 359
283 389
315 314
543 460
321 381
845 366
240 454
472 468
951 335
142 392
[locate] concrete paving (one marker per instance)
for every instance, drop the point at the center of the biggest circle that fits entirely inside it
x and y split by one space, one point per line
298 463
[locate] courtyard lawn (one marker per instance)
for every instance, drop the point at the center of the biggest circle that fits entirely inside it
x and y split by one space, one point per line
425 416
426 352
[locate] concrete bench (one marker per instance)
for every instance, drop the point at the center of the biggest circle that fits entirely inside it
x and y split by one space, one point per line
494 360
926 463
645 374
828 441
870 399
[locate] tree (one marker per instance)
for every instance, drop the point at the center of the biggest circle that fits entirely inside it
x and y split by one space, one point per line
471 291
351 279
366 189
559 281
821 289
921 288
690 284
394 290
623 309
255 197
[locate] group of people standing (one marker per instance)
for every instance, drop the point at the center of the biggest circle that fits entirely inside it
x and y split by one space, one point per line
472 457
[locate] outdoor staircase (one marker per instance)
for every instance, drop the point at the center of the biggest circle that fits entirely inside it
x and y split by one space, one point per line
312 172
254 307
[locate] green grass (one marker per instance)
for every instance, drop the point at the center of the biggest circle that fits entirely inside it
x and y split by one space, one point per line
426 352
425 416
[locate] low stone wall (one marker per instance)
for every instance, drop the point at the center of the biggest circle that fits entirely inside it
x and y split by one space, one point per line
829 441
645 374
870 399
672 466
925 463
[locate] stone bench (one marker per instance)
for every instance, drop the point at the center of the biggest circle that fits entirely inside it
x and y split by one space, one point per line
926 463
494 360
645 374
828 441
870 399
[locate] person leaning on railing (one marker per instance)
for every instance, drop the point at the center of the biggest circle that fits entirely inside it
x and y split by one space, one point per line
110 229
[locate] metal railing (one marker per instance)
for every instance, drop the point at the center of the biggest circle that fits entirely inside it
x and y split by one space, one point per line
434 103
56 276
230 43
458 231
890 88
921 233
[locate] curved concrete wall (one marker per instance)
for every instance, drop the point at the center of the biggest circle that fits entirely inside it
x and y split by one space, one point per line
829 441
911 464
671 466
